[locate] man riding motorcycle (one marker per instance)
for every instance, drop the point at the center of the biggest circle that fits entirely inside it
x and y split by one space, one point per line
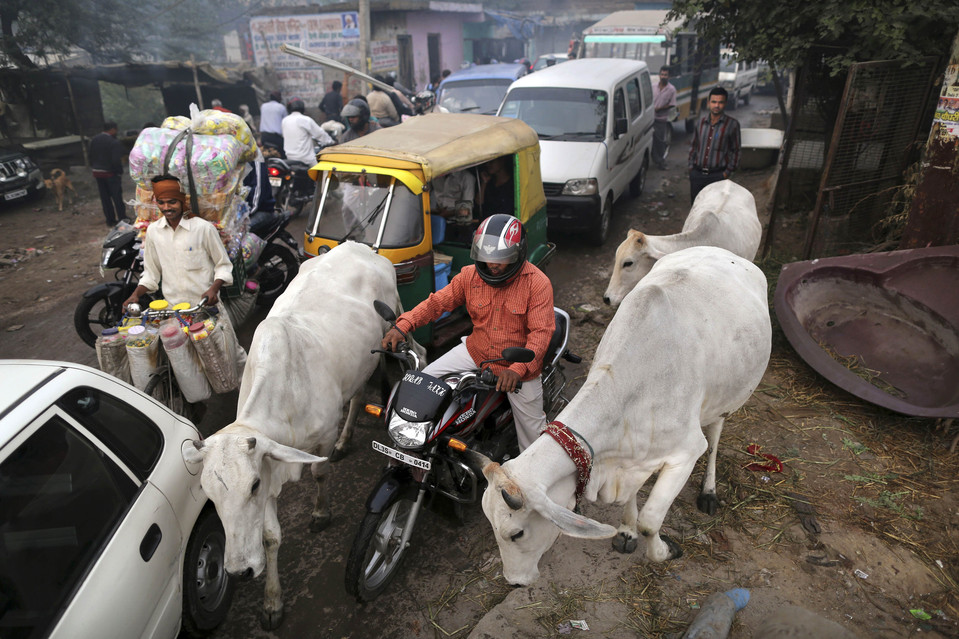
357 115
510 302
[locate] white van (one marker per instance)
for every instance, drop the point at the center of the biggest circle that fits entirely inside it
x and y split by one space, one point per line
594 118
738 78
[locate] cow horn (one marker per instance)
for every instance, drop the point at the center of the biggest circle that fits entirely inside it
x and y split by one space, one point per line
514 503
251 442
198 444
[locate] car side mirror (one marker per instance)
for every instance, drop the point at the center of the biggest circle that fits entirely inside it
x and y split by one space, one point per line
621 127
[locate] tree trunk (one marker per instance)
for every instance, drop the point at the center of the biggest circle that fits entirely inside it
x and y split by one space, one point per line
933 215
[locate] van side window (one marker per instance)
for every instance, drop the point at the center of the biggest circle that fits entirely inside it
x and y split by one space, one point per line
619 106
647 88
635 104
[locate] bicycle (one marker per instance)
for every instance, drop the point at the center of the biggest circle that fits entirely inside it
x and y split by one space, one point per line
163 385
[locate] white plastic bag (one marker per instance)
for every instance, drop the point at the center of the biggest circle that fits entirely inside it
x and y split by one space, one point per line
185 362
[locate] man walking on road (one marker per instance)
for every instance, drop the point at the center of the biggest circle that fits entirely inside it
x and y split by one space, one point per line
271 121
714 151
105 160
664 101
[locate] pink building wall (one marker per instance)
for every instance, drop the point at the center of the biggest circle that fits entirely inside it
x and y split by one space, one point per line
449 26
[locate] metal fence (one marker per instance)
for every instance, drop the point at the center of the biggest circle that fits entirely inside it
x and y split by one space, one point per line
844 157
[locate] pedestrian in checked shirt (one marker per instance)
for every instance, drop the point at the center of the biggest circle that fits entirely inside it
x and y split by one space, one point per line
714 151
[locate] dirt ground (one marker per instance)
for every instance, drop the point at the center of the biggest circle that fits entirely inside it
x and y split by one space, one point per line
861 526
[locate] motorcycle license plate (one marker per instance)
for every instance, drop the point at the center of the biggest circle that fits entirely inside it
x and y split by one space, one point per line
276 182
12 195
409 460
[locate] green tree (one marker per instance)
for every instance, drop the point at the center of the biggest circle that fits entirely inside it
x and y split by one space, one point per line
787 33
113 30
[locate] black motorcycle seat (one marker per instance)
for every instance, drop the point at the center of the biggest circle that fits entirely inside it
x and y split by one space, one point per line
557 341
263 223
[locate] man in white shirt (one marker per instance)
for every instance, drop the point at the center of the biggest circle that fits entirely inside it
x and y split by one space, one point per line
271 118
299 132
186 255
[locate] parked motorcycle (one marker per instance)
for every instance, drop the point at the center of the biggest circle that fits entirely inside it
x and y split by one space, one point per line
434 424
102 306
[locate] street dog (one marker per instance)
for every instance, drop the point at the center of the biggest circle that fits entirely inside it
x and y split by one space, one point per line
59 183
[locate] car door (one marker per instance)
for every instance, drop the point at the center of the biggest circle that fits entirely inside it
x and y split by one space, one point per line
89 548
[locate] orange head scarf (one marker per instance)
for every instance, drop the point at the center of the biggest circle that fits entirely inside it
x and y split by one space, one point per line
169 190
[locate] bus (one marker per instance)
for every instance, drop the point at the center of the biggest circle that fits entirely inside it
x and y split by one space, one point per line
645 35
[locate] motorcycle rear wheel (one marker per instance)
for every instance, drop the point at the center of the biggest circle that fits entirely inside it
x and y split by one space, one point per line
376 554
277 268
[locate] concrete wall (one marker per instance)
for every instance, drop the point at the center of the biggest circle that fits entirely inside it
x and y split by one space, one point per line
449 26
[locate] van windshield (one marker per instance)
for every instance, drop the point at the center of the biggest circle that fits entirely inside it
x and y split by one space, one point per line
474 96
560 113
355 204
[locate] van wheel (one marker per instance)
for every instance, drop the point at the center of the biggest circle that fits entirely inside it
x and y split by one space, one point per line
690 125
638 183
734 101
598 235
747 96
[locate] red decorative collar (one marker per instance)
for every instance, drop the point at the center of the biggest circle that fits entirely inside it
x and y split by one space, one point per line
583 458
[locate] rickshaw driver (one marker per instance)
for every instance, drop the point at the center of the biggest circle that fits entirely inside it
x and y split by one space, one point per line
510 302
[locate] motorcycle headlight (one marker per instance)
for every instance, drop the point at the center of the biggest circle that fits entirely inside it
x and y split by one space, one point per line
581 186
407 434
105 256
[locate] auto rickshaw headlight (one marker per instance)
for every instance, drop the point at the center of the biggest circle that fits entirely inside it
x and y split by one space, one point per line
581 186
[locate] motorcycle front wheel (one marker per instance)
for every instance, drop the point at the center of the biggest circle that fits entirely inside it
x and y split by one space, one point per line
277 268
377 549
99 311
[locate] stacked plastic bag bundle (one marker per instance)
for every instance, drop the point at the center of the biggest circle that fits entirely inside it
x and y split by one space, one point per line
222 144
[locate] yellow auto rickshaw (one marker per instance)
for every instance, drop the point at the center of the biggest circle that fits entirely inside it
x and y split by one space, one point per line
381 190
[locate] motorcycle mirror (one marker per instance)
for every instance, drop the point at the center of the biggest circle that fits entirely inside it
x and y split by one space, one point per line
518 354
383 310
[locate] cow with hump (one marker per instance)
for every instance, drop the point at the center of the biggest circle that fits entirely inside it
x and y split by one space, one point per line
723 215
309 356
686 348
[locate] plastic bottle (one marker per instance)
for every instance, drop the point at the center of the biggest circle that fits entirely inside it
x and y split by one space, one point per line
172 335
716 615
198 331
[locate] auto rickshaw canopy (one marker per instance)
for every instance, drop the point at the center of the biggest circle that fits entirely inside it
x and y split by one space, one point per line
428 146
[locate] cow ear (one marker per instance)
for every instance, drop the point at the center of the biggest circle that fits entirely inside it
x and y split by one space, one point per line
639 237
279 452
193 452
567 521
653 253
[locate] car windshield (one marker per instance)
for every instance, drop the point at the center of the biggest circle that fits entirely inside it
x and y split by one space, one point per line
560 114
355 205
727 65
547 61
473 96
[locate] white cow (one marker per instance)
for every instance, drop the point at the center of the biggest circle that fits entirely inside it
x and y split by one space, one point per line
308 357
686 348
723 215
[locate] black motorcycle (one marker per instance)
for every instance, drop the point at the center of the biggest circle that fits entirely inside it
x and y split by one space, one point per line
102 306
434 425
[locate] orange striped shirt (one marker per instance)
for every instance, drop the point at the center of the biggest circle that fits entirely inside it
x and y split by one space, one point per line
518 314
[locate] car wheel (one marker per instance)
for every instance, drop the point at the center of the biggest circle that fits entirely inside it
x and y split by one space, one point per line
207 588
747 97
638 183
598 235
733 101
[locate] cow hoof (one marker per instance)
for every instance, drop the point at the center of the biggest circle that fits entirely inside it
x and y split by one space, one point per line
339 453
707 503
675 550
625 543
319 523
271 620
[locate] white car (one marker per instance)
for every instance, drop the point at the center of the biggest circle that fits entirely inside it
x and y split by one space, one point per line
104 531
